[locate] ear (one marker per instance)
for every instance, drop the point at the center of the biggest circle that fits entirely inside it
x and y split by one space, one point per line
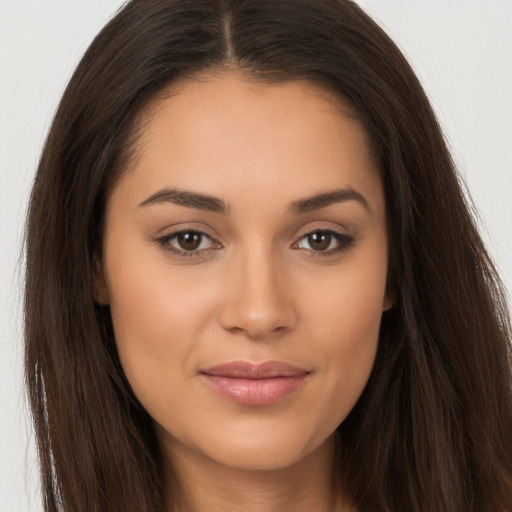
100 289
389 302
391 291
389 297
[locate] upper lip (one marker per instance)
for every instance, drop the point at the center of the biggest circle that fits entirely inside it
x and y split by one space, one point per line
248 370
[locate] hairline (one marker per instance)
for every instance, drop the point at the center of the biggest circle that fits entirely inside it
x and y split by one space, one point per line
152 105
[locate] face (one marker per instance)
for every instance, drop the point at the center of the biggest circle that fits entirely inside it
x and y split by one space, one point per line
245 263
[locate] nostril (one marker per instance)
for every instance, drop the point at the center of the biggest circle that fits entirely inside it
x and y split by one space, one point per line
257 324
258 304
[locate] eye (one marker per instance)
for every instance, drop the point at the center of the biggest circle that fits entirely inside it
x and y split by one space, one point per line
187 242
324 241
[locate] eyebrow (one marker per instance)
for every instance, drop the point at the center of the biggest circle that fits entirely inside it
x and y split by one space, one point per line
188 199
325 199
214 204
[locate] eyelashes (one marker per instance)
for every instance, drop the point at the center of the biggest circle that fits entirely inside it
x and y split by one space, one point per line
188 243
191 243
323 242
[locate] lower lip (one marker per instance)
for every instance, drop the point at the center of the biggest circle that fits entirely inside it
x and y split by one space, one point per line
254 391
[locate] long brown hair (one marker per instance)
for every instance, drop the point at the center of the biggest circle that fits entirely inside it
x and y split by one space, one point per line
433 428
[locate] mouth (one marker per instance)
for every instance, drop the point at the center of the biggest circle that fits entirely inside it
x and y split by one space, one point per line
247 383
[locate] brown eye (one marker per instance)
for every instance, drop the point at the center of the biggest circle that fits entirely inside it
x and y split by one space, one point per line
189 240
320 240
188 243
324 242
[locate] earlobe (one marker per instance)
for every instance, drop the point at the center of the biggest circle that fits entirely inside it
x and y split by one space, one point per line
389 300
100 289
390 295
387 304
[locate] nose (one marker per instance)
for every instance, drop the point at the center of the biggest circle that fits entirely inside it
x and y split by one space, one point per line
259 300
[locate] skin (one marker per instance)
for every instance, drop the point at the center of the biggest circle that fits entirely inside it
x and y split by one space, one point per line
256 289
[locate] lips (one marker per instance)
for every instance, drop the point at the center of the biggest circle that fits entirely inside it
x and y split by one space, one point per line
246 383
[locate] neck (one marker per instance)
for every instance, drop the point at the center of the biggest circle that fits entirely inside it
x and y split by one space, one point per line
207 485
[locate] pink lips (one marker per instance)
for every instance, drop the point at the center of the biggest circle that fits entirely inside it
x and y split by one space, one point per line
254 384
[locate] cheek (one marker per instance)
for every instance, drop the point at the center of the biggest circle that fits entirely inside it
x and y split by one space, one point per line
345 315
157 314
347 303
150 298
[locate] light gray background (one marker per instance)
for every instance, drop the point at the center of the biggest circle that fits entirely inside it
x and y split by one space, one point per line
461 49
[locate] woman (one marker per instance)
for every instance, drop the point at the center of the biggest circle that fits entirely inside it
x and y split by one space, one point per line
253 282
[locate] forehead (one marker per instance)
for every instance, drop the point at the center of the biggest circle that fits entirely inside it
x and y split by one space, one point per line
226 136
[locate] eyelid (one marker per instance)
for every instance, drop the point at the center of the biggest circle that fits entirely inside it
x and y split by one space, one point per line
345 242
164 242
198 227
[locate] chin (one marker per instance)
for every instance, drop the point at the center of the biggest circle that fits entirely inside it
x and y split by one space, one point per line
260 449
